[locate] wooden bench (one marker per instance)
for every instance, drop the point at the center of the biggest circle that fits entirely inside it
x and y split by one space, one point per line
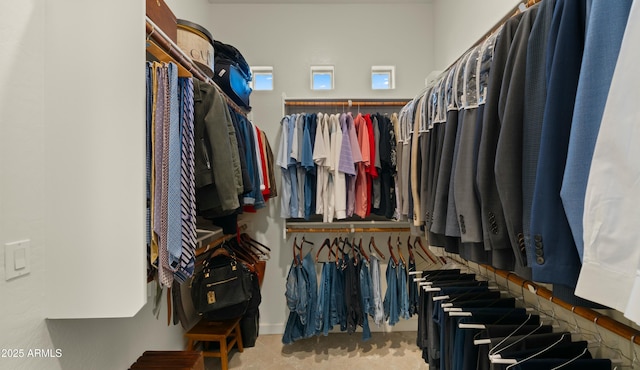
169 360
226 333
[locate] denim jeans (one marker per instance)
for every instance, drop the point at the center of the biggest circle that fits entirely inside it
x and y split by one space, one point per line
338 293
413 290
403 296
391 312
309 268
366 294
377 307
323 313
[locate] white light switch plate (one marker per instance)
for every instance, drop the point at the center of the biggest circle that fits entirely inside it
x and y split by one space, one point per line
17 257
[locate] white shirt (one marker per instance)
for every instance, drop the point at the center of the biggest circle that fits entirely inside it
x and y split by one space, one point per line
321 149
339 180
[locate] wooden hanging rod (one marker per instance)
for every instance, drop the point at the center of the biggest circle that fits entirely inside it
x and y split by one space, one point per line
183 61
597 318
339 230
349 103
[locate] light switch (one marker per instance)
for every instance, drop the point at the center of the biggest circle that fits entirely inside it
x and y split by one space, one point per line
19 259
16 259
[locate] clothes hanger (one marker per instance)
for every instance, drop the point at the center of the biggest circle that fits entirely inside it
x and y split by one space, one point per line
399 246
372 242
423 257
412 258
250 240
571 360
362 252
295 246
395 260
250 248
497 348
425 250
326 242
302 245
537 353
635 361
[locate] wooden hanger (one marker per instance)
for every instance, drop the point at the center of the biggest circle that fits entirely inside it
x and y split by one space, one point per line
326 242
399 246
395 260
412 258
362 251
372 242
425 250
295 257
246 238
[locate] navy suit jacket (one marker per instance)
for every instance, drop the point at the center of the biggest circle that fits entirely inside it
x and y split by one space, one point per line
557 260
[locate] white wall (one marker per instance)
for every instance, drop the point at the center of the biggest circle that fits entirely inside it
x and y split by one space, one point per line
22 323
458 24
25 195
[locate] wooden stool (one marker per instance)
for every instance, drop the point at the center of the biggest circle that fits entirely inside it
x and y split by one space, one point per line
227 333
170 360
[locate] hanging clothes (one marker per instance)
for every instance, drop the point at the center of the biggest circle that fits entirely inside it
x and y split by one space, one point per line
391 306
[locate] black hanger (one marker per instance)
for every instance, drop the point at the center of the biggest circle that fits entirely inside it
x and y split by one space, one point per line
327 243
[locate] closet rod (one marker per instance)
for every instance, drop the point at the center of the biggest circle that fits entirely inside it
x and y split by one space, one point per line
394 103
291 230
597 318
154 32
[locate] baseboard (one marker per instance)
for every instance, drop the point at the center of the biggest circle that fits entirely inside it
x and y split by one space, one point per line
403 325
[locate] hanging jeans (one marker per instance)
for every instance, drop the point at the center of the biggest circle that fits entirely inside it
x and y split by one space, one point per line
340 317
353 297
413 290
323 312
308 266
403 296
391 296
293 329
367 303
377 307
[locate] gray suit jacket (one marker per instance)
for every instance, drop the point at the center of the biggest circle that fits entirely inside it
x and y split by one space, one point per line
508 165
496 236
535 94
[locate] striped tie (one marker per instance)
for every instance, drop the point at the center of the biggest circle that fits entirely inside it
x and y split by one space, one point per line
187 183
164 271
156 159
150 92
174 218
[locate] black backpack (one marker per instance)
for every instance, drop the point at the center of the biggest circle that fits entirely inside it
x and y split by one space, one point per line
232 73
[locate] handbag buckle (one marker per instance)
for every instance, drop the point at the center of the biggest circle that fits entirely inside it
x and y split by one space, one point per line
211 297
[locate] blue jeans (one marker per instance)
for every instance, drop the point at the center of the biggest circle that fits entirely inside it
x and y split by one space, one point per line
294 329
308 266
413 290
338 292
377 306
323 313
391 296
403 296
366 294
